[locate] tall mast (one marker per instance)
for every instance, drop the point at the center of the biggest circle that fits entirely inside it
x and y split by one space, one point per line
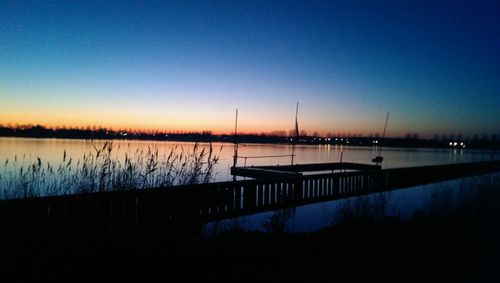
296 132
385 128
378 159
235 156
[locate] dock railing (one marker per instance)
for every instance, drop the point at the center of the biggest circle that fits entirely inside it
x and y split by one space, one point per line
196 204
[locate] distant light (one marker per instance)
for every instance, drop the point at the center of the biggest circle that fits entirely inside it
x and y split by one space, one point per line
455 143
462 144
451 143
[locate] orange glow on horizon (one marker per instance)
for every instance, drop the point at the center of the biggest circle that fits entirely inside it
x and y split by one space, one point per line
185 120
139 127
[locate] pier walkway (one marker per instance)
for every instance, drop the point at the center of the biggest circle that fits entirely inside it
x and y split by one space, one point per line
197 204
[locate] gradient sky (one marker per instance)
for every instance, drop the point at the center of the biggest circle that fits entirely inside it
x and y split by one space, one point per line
434 65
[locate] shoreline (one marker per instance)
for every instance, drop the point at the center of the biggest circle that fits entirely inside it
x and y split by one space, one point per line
391 143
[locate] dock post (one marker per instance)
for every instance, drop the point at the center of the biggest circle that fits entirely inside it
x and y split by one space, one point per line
249 196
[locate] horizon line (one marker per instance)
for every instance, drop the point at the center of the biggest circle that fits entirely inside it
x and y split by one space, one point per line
273 133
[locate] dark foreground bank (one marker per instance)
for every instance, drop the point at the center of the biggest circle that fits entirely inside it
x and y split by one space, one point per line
458 245
420 250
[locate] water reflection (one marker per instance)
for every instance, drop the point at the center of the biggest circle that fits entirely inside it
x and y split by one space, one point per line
51 150
17 153
433 199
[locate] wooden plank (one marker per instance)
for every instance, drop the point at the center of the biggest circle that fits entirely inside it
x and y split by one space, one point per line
312 167
255 172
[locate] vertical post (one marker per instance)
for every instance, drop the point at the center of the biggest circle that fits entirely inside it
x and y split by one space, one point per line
249 196
296 131
237 198
341 153
379 157
235 155
297 189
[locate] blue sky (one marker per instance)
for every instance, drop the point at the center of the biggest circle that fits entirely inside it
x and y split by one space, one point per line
187 65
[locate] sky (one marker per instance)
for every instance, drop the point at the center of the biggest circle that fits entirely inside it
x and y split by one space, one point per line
187 65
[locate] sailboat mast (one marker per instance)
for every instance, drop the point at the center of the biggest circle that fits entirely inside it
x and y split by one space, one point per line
296 132
235 156
385 128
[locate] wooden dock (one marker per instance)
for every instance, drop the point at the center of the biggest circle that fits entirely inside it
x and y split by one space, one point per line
297 170
181 206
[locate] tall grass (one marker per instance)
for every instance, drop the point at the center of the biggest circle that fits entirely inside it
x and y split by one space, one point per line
103 169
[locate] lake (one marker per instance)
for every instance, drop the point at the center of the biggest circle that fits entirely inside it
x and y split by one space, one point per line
24 152
28 151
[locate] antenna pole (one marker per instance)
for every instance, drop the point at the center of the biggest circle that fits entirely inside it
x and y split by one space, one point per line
235 156
385 127
383 135
296 131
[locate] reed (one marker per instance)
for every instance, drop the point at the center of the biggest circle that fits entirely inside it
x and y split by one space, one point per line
103 169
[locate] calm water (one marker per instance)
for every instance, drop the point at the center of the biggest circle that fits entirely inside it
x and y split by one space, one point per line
401 203
52 151
306 218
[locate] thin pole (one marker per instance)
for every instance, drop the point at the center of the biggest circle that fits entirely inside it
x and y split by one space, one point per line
296 131
341 156
235 156
385 127
383 135
341 153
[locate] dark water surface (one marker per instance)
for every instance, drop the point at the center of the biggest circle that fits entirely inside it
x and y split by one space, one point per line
306 218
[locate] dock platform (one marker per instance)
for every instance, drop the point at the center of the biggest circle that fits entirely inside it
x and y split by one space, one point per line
259 172
174 208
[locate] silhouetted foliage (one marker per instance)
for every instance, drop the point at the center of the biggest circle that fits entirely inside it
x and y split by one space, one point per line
94 132
102 169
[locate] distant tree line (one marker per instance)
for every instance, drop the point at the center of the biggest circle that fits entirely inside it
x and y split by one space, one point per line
409 140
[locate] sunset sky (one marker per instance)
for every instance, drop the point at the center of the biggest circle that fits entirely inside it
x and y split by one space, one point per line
434 65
